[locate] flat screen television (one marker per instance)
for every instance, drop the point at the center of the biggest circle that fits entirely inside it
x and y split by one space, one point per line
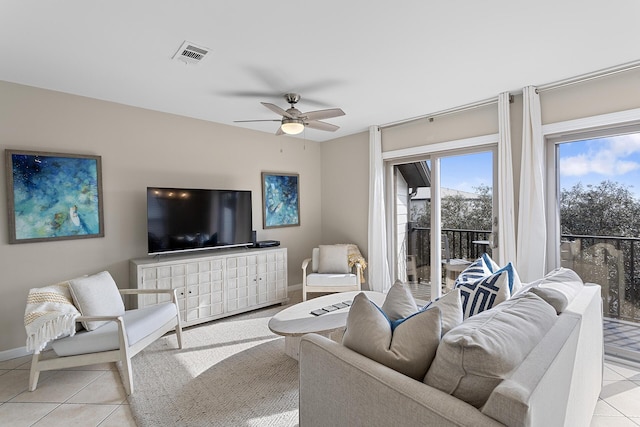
182 219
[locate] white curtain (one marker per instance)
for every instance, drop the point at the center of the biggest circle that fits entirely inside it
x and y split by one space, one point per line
504 237
378 263
532 225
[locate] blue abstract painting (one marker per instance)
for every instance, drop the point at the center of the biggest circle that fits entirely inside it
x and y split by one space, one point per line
281 200
54 196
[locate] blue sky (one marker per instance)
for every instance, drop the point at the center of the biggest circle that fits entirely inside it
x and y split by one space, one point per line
595 160
467 171
589 162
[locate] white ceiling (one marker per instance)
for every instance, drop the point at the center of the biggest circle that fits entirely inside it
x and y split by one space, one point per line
379 61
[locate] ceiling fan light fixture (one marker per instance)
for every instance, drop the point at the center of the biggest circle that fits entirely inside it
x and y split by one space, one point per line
292 126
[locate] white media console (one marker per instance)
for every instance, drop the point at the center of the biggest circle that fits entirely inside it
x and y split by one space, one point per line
215 284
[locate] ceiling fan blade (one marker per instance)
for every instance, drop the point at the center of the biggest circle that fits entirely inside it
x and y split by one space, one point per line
323 114
247 121
251 94
277 110
314 124
279 131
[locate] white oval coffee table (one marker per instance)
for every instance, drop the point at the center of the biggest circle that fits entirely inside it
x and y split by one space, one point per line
297 320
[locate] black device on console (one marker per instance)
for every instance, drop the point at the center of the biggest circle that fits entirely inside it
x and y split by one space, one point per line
267 244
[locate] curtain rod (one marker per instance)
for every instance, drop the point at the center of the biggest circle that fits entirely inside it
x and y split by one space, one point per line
589 76
460 109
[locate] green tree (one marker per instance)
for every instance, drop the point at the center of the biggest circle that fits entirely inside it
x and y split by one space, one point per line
606 209
460 213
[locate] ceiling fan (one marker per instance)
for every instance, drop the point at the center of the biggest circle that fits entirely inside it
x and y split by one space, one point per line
294 121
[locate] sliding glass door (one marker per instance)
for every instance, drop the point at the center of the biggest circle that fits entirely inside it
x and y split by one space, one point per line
443 209
598 198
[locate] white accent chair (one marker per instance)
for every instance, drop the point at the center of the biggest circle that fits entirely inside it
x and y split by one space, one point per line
118 340
315 278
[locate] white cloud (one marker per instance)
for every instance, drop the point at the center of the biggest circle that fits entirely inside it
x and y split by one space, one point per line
607 157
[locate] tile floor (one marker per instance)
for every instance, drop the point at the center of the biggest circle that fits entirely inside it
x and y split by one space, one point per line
86 396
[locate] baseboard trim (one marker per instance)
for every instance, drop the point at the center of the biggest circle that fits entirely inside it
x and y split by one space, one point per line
297 287
14 353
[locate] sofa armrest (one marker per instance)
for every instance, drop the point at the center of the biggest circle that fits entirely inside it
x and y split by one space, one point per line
537 392
341 387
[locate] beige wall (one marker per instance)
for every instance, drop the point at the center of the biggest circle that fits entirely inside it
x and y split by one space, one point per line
450 127
139 148
345 190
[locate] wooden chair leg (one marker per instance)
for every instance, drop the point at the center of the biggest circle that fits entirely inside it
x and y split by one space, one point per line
127 375
34 374
179 334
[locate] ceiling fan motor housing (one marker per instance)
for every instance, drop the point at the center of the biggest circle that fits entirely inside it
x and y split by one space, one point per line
292 98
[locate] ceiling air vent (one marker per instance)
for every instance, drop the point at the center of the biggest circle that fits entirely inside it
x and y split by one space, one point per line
190 53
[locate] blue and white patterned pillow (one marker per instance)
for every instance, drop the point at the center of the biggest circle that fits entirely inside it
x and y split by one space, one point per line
485 292
475 271
514 279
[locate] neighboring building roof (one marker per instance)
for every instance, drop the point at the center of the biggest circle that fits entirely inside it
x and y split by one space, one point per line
416 174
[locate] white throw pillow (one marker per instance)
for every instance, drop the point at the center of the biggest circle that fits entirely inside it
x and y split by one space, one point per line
399 302
476 356
96 295
333 259
408 348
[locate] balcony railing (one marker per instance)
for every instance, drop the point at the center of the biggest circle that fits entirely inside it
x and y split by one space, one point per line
612 262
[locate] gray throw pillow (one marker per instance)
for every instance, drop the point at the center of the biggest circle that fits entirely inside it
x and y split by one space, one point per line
333 259
408 349
450 305
96 295
557 299
399 302
558 287
476 356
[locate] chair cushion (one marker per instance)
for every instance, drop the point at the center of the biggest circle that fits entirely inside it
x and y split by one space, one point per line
96 295
333 259
138 323
473 358
408 348
317 279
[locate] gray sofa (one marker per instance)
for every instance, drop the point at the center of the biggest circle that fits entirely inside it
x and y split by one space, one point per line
557 384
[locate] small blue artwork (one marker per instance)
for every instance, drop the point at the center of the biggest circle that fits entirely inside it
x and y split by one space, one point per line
53 196
281 200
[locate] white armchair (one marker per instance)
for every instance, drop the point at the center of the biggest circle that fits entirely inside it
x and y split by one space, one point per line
115 337
329 270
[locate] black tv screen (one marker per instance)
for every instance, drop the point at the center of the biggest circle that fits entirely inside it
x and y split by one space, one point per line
180 219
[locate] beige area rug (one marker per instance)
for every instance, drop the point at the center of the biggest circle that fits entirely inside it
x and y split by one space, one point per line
231 372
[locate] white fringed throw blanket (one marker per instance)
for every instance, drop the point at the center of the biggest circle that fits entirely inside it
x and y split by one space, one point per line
50 314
